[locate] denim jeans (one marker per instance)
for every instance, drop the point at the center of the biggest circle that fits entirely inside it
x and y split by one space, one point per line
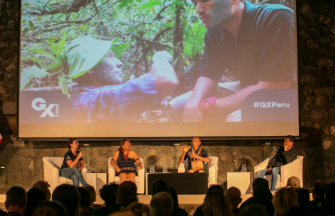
275 172
74 174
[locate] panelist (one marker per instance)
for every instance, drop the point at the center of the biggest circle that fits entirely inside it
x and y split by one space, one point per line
126 159
194 154
284 155
73 163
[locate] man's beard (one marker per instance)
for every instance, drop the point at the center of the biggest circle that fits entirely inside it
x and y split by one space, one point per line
219 13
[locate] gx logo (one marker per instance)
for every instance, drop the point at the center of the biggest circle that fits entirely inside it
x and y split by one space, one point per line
39 104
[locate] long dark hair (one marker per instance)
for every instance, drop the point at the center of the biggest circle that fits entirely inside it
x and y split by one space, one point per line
122 142
216 204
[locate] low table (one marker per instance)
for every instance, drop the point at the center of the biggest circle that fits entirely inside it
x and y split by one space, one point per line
240 180
97 180
183 183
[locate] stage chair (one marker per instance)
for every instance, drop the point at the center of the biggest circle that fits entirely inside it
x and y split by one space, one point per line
295 168
112 177
51 172
212 168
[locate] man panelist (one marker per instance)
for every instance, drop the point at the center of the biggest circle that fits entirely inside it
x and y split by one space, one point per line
284 155
196 156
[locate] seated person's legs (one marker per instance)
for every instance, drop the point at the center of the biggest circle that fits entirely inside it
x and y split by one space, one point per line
75 180
69 172
275 172
261 174
131 177
123 177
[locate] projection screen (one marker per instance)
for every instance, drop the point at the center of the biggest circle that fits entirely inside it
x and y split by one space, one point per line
146 68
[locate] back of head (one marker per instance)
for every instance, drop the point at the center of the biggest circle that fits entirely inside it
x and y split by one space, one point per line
234 196
159 185
108 192
293 182
161 204
68 195
47 208
297 211
92 193
174 197
34 197
262 195
139 209
303 196
259 182
216 204
330 192
215 187
284 199
254 210
84 197
16 196
123 213
319 189
127 193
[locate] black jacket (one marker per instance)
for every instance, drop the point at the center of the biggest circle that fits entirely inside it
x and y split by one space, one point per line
283 157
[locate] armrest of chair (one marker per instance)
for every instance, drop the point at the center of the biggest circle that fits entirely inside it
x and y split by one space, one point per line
111 171
181 168
51 172
141 176
295 168
262 165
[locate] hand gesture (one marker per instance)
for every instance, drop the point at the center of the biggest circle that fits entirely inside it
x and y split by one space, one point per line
117 169
269 170
186 148
193 155
80 155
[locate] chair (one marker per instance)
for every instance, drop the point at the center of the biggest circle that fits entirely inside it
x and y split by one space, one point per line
212 168
295 168
139 179
51 172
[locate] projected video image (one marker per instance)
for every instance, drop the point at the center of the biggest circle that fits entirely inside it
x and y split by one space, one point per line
144 61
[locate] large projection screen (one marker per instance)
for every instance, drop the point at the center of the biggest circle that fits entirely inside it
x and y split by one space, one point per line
146 68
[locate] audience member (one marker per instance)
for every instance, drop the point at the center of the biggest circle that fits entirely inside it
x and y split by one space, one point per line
256 183
297 211
176 209
126 194
284 199
34 197
47 208
198 212
16 201
263 196
69 196
303 196
317 204
293 182
159 185
3 213
139 209
234 196
161 204
93 195
254 210
123 213
216 204
42 186
84 203
329 207
108 195
48 194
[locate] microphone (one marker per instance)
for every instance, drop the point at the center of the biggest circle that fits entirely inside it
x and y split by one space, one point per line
78 151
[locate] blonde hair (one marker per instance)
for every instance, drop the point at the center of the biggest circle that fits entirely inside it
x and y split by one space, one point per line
285 199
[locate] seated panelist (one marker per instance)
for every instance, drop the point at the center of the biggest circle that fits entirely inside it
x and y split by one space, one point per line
126 159
73 163
195 155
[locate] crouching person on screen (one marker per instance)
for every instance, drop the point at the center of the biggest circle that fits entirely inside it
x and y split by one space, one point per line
73 163
196 156
125 162
284 155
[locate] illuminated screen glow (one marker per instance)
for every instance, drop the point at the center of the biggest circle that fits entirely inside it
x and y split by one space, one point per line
133 68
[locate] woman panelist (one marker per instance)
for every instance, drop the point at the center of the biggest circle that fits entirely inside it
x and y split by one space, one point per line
126 159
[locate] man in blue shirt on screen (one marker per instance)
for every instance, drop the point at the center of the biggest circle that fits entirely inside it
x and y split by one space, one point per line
256 43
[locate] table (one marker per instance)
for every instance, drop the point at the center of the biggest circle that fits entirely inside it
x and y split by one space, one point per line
97 180
241 180
183 183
